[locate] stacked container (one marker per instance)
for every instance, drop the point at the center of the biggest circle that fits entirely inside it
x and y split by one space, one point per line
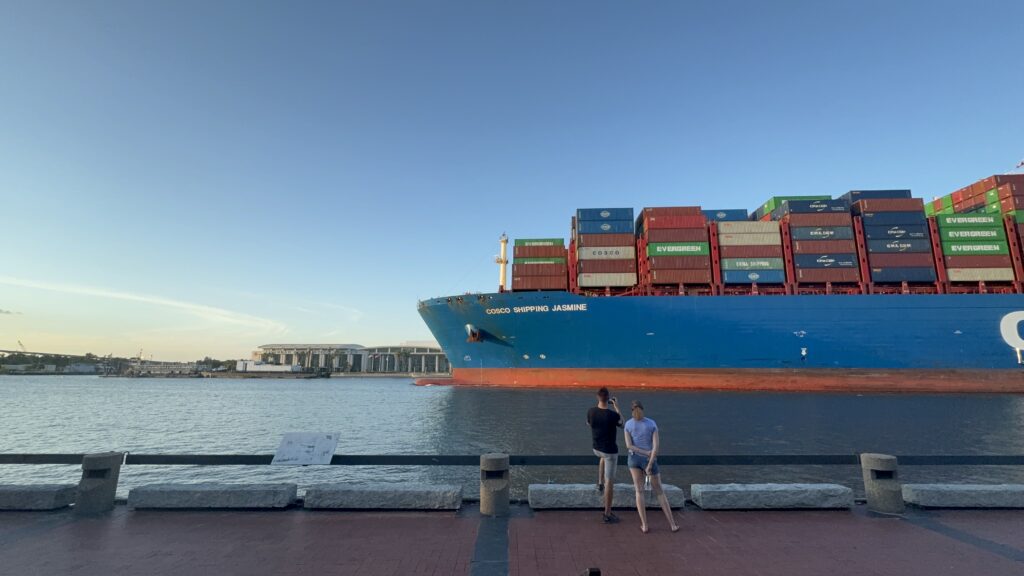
676 247
974 247
823 245
605 248
1002 194
897 239
539 264
751 252
764 212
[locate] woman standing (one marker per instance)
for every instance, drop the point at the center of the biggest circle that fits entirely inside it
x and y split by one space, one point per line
642 443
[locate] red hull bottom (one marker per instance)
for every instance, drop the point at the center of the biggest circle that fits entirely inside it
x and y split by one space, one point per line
883 381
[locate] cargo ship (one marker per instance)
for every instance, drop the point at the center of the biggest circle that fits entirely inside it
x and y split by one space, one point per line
873 291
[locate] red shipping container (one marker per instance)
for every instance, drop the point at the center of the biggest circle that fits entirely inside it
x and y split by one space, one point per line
539 270
822 275
539 252
958 207
766 218
821 219
961 261
890 205
904 260
662 222
1007 190
774 251
606 266
824 247
678 235
540 282
605 240
680 262
1012 203
680 276
958 196
997 181
937 204
673 211
974 202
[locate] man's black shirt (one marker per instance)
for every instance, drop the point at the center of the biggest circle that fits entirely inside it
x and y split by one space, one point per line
604 426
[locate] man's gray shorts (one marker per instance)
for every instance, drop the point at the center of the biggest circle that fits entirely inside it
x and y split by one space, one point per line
610 461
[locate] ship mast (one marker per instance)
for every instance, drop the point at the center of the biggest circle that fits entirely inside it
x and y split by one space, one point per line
502 262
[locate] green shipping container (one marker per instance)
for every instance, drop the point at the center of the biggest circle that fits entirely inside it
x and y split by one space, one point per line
985 234
929 209
752 264
968 220
947 202
679 249
538 260
997 248
992 196
540 242
945 210
1018 215
995 208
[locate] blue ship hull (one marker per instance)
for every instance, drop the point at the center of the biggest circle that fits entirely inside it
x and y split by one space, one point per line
763 342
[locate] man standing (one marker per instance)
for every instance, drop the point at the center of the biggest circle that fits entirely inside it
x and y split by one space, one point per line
604 425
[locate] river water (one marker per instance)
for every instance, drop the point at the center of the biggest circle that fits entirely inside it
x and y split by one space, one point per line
52 414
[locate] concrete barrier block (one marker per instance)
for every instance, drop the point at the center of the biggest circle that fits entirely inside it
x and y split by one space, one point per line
771 496
964 495
399 497
586 496
213 496
36 496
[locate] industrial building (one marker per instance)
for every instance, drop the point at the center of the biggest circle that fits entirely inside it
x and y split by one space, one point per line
405 358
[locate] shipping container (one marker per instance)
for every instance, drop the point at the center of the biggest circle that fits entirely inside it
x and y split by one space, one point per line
748 227
679 262
760 277
901 245
889 205
538 252
661 222
753 264
776 201
679 249
604 226
968 220
821 233
896 275
1007 190
678 235
606 280
997 181
680 276
980 248
896 232
856 195
893 218
604 214
597 240
540 282
773 251
605 266
825 261
539 270
824 247
533 261
540 242
749 239
671 211
972 234
822 219
901 260
607 253
813 206
980 274
731 215
823 275
1004 261
1012 203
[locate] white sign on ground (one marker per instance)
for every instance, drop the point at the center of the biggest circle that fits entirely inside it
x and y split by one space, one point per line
305 448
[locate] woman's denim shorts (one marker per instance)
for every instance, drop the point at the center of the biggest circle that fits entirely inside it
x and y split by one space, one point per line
640 461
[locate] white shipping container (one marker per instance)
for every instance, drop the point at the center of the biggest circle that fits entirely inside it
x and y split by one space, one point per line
980 274
607 253
749 239
594 280
748 227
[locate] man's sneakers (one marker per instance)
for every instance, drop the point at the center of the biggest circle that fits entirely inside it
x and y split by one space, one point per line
610 518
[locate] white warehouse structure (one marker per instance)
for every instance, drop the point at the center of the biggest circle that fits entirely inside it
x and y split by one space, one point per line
408 357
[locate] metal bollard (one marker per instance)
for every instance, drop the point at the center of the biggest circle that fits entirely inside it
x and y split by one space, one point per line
98 485
494 484
882 483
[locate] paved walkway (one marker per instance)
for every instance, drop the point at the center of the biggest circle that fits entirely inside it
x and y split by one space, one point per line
960 543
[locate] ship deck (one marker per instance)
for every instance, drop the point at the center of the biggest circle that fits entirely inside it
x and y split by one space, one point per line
296 541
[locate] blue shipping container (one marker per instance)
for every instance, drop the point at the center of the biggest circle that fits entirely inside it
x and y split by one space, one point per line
900 245
821 233
855 195
731 215
814 206
895 232
903 275
892 218
604 226
604 214
749 276
825 260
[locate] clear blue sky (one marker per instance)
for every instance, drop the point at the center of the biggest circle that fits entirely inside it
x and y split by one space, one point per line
197 178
